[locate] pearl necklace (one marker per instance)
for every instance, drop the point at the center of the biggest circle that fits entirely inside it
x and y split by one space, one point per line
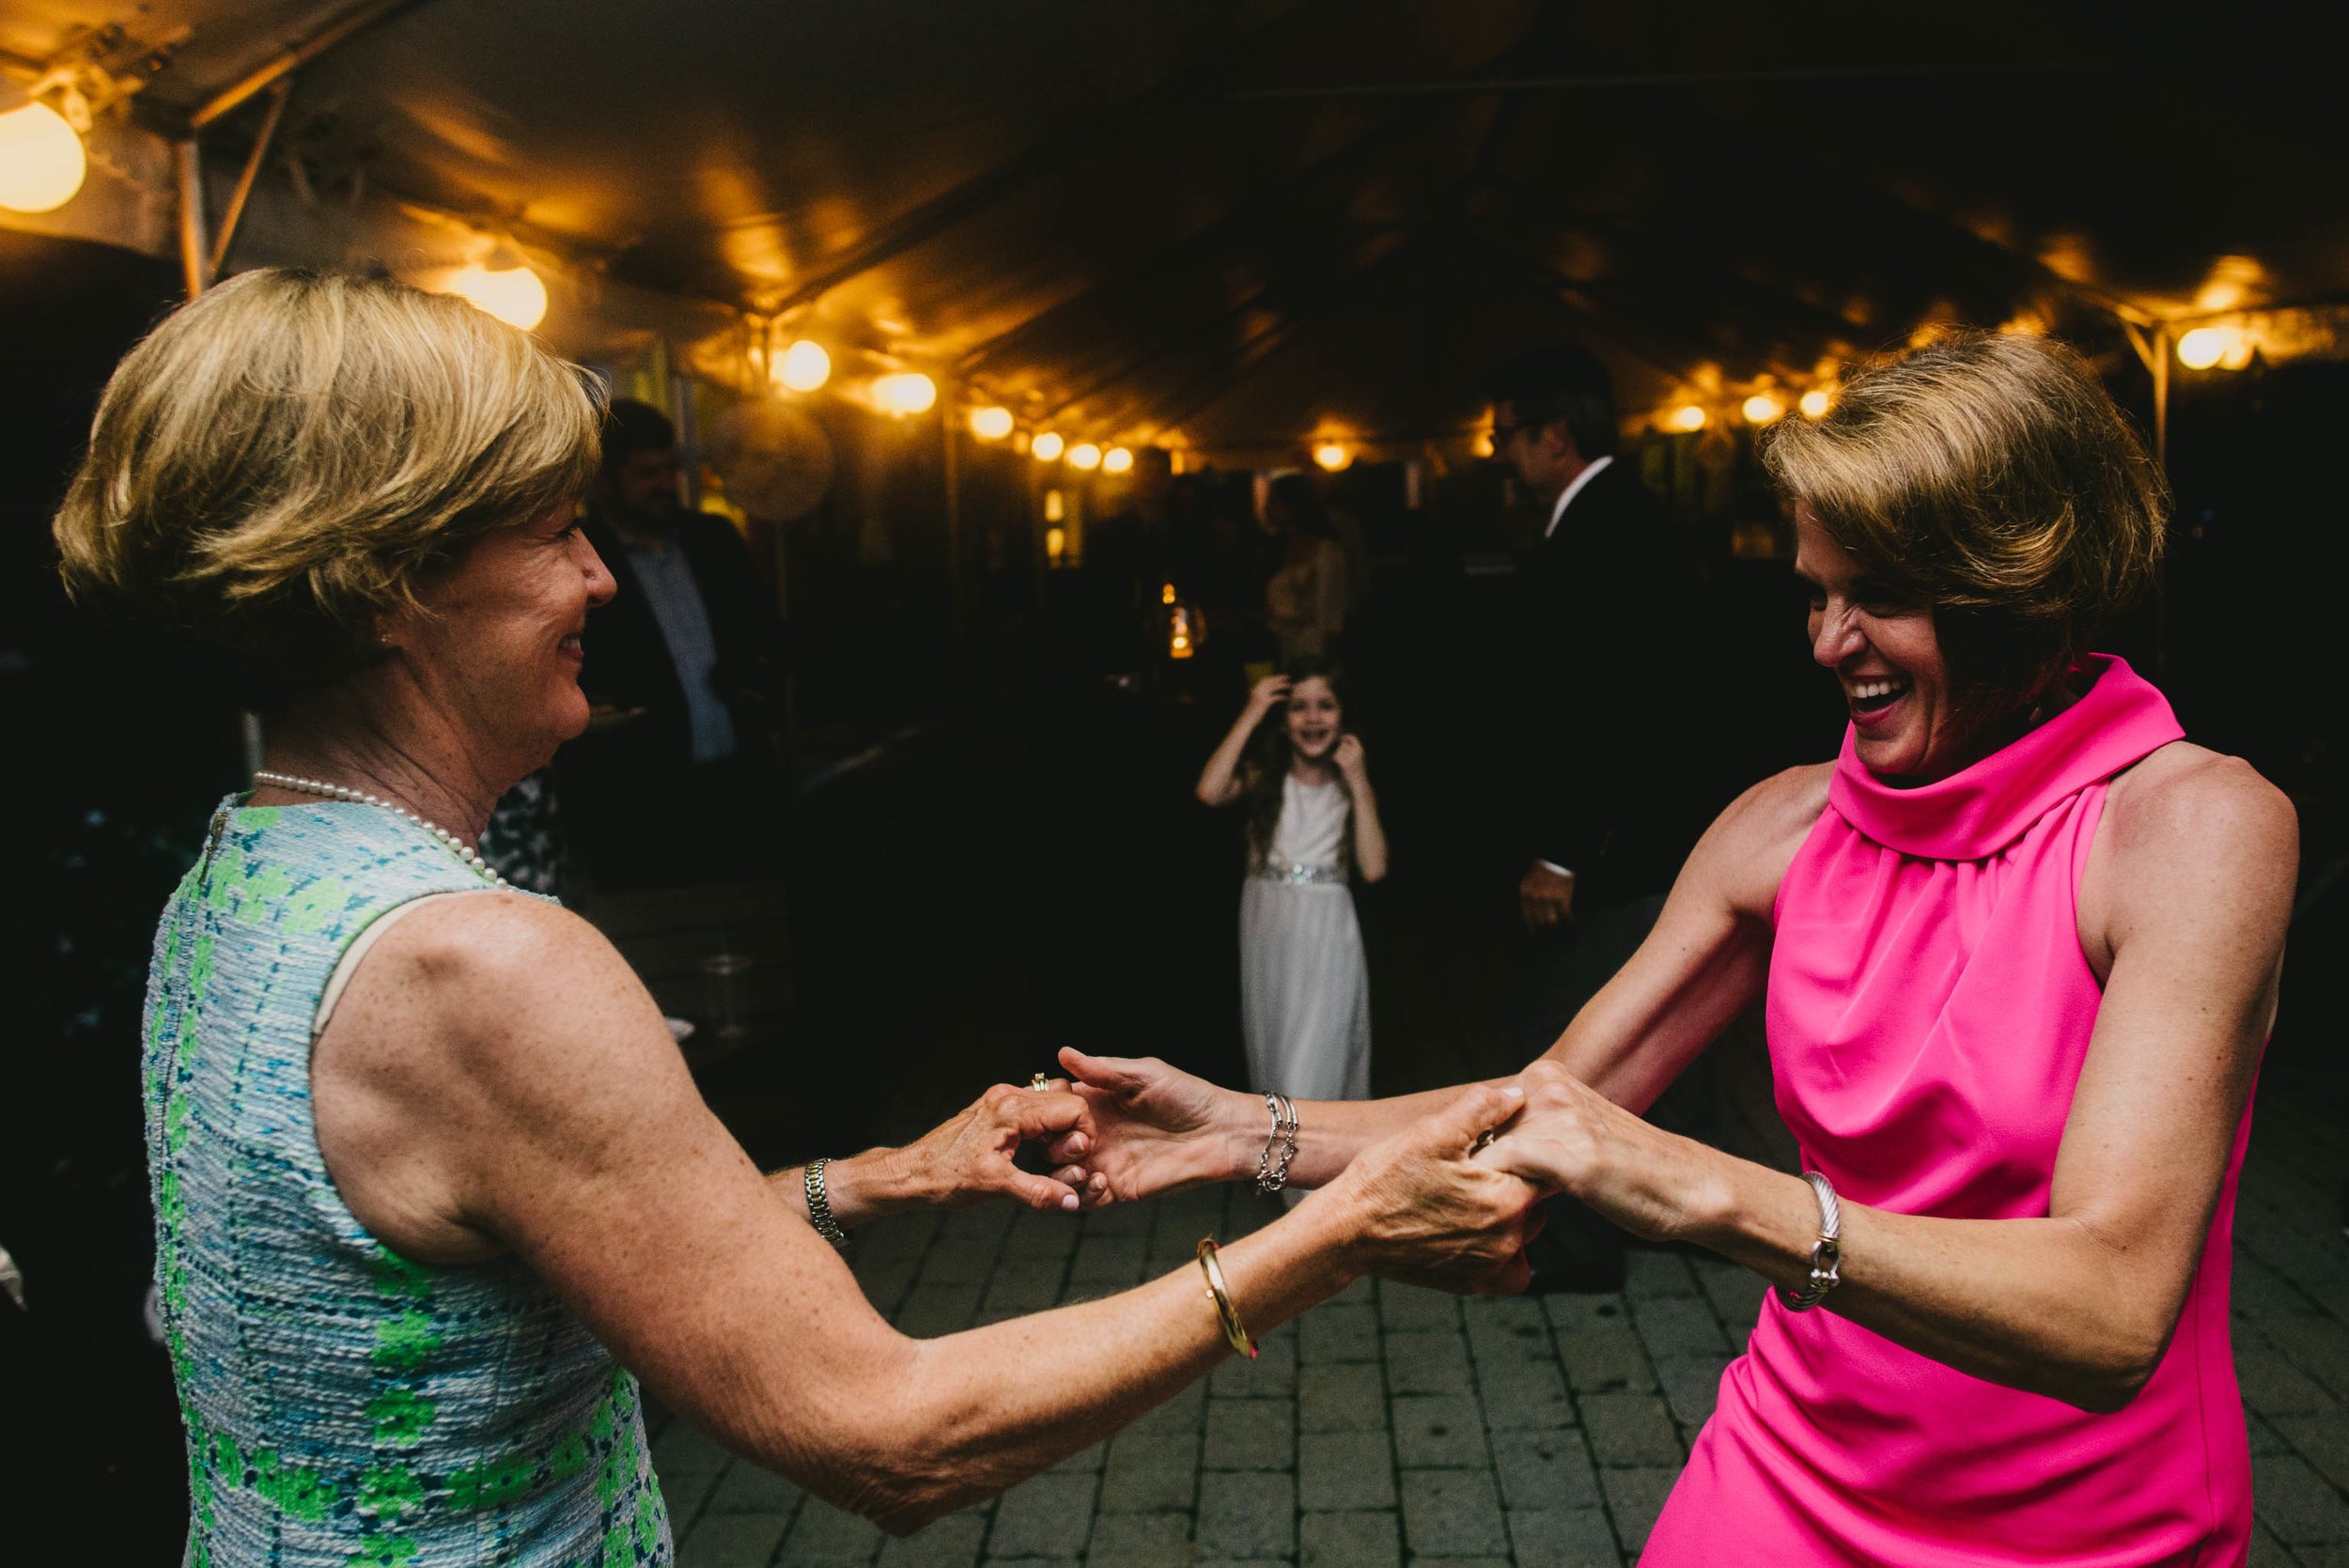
456 846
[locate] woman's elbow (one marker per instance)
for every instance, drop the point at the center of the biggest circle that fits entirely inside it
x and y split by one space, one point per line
1375 872
2108 1376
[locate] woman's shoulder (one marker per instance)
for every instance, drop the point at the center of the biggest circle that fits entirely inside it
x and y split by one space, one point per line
1745 853
2187 798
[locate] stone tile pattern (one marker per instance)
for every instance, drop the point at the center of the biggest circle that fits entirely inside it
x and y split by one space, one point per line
1397 1426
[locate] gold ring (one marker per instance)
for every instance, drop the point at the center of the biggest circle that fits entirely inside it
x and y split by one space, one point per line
1484 1141
1038 1082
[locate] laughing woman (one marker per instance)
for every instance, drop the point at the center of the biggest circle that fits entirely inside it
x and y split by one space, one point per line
2018 947
432 1186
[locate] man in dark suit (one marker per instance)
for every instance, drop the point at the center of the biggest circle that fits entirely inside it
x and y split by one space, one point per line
1611 628
690 645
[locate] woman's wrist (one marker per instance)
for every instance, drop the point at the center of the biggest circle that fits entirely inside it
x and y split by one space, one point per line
1242 1129
864 1188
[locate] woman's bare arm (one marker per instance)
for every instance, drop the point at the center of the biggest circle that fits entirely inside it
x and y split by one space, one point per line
502 1082
2188 891
1220 781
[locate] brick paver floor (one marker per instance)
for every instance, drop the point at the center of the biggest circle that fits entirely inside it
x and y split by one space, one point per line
1395 1425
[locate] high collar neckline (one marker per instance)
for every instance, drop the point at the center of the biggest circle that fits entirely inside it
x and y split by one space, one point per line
1981 809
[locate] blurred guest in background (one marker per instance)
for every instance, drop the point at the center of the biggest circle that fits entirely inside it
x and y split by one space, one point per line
1609 628
1305 597
687 662
1312 817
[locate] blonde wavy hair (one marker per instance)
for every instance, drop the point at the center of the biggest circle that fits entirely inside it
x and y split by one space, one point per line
1992 477
287 457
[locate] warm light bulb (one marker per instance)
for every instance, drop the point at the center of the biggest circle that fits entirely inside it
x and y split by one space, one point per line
1761 408
1166 593
1118 459
1815 403
1332 456
1048 447
990 424
1688 416
1055 543
1084 455
513 294
42 161
1055 507
1483 443
2227 347
806 366
904 392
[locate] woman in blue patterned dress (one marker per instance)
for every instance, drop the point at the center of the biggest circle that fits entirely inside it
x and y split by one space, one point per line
432 1186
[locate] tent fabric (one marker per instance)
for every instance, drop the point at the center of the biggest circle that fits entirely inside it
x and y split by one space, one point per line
1245 222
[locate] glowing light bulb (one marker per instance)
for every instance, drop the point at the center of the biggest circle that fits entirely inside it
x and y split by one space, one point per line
1332 456
1048 447
1815 403
1688 416
1084 455
1118 459
990 424
42 161
1055 544
2227 348
1761 408
1055 507
1483 443
514 295
904 392
1166 593
804 367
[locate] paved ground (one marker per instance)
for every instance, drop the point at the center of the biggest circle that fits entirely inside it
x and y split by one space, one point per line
1397 1425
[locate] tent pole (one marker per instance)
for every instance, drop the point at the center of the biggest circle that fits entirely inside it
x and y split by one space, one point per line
957 609
195 254
294 57
280 95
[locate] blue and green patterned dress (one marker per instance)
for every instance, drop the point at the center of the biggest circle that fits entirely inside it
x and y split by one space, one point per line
345 1405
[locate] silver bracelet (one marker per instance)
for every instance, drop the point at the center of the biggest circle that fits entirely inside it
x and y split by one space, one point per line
1272 1168
819 1204
1827 1256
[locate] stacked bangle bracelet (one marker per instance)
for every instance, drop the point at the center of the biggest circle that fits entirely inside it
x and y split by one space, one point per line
1280 1148
819 1204
1234 1331
1826 1255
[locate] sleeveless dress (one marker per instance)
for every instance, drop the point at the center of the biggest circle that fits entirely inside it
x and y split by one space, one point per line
346 1408
1929 1011
1304 986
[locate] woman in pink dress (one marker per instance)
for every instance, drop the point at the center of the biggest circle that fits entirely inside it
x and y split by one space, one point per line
2019 946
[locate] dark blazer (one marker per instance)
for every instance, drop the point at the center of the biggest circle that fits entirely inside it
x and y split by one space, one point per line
1611 632
629 666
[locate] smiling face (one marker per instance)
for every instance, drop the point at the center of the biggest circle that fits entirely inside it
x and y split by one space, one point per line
1315 719
1887 654
498 646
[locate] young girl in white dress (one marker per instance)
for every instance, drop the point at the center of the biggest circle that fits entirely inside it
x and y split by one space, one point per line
1304 986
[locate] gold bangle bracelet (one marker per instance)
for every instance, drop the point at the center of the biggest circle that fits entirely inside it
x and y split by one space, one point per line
1217 1292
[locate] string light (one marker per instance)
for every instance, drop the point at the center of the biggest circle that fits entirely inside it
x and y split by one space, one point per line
42 161
990 424
512 293
1688 416
1761 408
2227 348
1084 455
1118 459
804 367
1483 443
1332 456
904 392
1815 403
1048 447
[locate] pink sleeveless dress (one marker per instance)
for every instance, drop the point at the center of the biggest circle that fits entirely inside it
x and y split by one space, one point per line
1929 1011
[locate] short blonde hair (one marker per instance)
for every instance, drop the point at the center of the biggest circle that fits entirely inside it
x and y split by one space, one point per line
1992 477
287 457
